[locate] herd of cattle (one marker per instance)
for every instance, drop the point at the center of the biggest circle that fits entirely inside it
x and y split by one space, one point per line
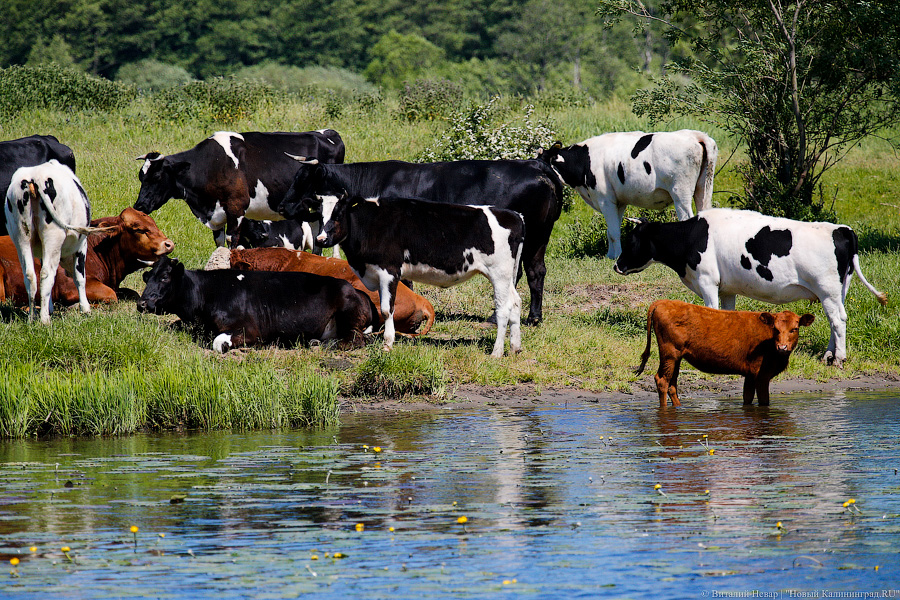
270 197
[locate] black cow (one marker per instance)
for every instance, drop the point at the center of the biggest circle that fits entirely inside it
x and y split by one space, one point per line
529 187
245 308
434 243
230 176
29 152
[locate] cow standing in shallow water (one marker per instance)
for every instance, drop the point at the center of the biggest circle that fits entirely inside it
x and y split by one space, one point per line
722 253
647 170
246 308
386 239
756 345
231 176
48 214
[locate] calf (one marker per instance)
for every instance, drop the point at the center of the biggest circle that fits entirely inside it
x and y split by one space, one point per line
721 253
123 244
29 152
413 314
246 308
439 244
48 214
290 234
756 345
648 170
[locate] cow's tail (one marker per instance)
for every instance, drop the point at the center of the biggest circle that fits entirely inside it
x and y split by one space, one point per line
882 297
47 205
646 355
704 189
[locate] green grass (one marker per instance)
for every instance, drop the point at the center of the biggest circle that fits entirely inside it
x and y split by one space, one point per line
115 371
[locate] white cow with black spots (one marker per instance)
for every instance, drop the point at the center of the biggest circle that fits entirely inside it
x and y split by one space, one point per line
48 215
722 253
647 170
386 239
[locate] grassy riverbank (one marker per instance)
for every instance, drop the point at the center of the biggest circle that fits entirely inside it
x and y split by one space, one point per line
115 371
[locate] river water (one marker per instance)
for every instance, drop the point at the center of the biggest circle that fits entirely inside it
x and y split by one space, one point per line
559 502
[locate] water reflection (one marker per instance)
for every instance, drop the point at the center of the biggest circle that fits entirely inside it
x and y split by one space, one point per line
562 500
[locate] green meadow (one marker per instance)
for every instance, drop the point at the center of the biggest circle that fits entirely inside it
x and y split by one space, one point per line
116 371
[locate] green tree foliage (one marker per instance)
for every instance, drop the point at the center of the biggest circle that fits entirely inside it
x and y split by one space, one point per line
800 83
151 75
398 58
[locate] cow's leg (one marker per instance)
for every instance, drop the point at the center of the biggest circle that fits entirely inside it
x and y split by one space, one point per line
232 226
836 353
727 301
219 237
682 196
750 389
535 272
613 214
673 384
79 260
664 377
762 390
26 259
507 307
49 265
387 294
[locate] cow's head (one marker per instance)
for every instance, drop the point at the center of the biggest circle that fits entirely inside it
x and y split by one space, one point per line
336 228
786 328
302 201
254 234
637 249
573 164
163 282
159 177
138 237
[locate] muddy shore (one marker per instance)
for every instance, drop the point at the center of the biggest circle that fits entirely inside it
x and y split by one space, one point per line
478 396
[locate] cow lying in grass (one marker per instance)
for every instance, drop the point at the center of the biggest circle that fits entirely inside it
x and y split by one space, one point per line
246 308
756 345
434 243
125 243
413 314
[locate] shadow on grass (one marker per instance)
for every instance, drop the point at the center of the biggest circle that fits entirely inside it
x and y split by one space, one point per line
9 313
872 239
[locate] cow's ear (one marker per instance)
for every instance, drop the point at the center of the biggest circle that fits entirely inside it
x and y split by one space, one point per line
634 220
807 320
767 318
178 271
146 276
557 145
242 265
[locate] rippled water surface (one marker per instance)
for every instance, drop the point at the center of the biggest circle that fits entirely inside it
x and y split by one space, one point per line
558 503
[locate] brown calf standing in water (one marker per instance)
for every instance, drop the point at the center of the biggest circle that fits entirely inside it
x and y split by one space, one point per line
756 345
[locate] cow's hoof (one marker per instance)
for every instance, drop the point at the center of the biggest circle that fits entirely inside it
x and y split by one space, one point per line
534 321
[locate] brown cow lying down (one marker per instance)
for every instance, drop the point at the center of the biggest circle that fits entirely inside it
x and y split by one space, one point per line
410 309
756 345
131 241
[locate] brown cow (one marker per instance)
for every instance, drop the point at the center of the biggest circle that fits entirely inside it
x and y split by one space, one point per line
410 310
756 345
131 241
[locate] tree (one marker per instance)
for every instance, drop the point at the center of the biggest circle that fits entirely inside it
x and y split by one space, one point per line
397 58
799 82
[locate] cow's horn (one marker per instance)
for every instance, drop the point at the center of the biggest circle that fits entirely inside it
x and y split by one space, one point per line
633 220
303 159
149 156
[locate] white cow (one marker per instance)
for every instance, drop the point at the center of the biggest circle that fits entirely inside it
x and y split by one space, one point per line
48 215
647 170
722 253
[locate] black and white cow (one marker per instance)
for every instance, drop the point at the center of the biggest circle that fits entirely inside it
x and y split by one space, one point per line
722 253
528 187
231 176
49 217
290 234
386 239
246 308
28 152
647 170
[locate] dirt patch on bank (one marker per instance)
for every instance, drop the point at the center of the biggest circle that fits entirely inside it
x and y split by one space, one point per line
596 296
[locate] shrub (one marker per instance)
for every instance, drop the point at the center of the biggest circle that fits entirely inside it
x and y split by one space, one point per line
152 75
429 99
480 133
52 87
588 239
221 100
309 82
